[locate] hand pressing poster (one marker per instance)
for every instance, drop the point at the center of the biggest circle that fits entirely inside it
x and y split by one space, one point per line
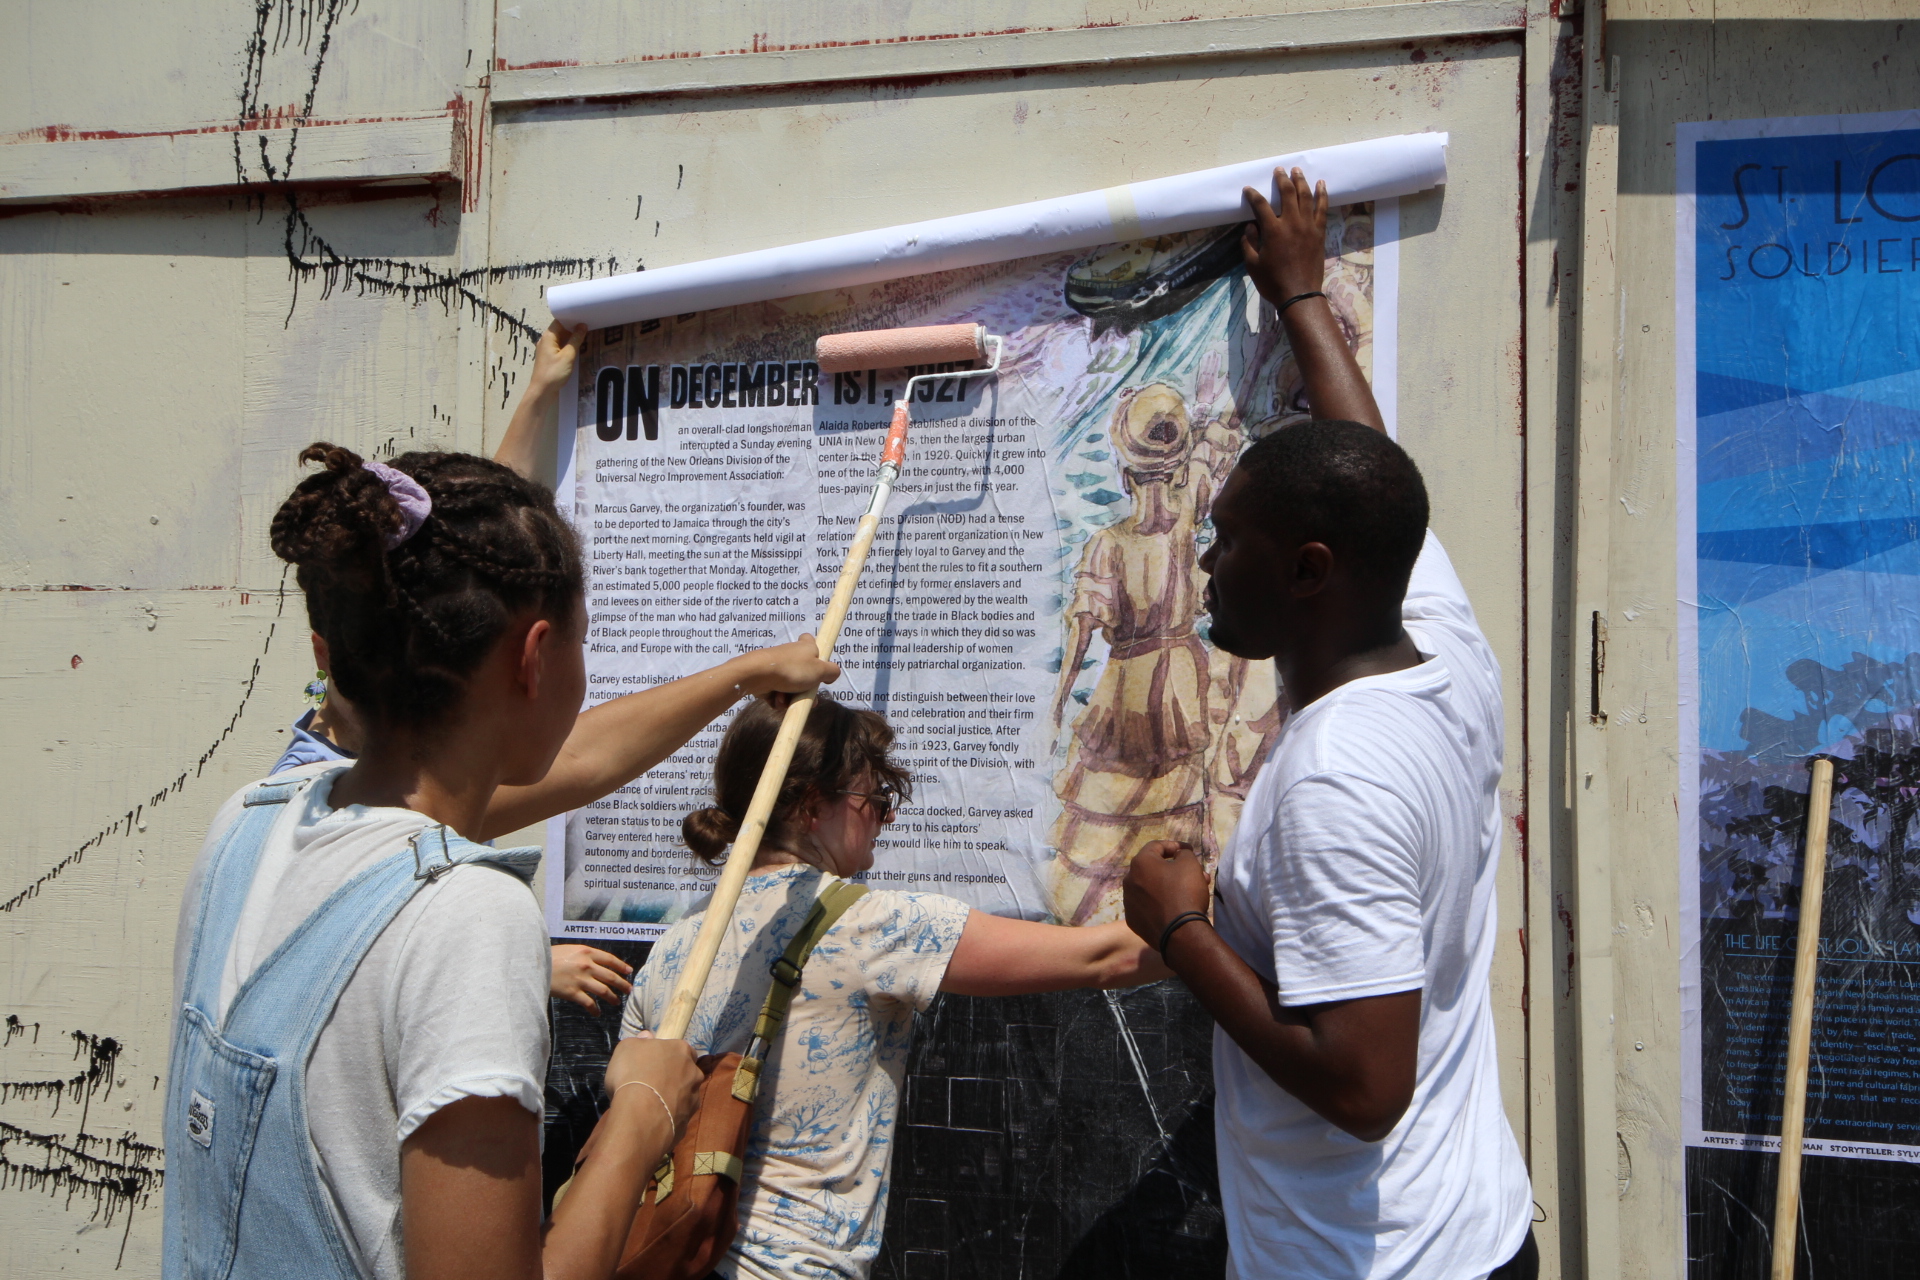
1030 618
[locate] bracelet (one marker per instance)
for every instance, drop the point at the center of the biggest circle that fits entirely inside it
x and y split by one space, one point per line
672 1128
1185 917
1298 297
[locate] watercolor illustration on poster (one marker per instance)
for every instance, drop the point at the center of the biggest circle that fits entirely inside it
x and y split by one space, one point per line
1799 568
1030 619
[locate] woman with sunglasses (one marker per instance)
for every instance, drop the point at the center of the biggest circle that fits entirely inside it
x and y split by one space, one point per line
813 1196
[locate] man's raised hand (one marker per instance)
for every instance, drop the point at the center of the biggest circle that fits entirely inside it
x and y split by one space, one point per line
1286 250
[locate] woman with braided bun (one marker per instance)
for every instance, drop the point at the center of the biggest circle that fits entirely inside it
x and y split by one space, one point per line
361 1038
611 744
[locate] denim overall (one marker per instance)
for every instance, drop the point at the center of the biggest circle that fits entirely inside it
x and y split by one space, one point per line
238 1088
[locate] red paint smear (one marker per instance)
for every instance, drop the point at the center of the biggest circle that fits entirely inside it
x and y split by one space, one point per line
281 118
470 127
1526 976
1566 922
761 44
75 664
319 191
81 586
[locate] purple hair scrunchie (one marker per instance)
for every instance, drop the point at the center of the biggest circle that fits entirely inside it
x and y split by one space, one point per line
414 502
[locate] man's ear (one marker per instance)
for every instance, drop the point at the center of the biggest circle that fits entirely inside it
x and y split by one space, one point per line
1312 566
534 647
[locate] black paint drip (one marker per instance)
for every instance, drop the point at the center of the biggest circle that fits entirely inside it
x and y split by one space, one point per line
277 23
108 1174
102 1053
310 256
128 822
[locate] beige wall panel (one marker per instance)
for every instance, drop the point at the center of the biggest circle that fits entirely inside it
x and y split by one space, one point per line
1675 71
159 678
120 67
338 360
729 173
163 362
164 365
1748 10
120 396
130 68
546 32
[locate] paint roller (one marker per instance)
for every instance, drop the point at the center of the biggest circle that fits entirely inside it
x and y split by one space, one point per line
836 353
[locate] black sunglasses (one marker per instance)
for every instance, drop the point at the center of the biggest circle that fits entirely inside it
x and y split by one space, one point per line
882 801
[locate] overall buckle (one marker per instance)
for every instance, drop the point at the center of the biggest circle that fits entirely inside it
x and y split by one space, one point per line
432 871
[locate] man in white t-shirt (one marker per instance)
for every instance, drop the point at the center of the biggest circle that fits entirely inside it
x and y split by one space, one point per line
1359 1120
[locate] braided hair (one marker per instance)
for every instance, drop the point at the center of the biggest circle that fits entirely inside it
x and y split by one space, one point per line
407 626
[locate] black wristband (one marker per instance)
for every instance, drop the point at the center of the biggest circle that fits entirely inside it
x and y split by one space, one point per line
1166 934
1298 297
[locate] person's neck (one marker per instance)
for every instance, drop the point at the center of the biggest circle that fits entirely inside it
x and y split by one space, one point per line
440 779
328 723
1316 670
765 859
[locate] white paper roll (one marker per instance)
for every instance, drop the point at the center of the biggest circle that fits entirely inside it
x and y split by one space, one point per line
1353 172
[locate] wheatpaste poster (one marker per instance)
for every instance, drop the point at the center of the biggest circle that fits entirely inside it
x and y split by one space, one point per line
1799 399
1030 619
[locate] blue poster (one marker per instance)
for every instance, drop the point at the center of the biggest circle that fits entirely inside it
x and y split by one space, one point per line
1799 577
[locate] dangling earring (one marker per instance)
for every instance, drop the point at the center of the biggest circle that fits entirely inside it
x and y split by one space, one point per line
317 689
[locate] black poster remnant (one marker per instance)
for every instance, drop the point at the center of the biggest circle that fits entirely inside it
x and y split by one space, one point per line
1062 1135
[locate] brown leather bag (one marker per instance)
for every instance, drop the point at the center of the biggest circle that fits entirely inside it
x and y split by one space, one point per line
689 1215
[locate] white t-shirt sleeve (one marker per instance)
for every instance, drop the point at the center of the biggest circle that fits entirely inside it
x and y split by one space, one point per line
1339 880
1434 591
466 1005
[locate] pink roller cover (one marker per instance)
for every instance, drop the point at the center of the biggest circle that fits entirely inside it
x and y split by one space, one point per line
898 348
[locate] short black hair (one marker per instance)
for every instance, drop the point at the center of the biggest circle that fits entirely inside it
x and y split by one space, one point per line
1347 485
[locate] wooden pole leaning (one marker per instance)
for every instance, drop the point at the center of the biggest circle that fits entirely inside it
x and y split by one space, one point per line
1806 967
898 348
733 876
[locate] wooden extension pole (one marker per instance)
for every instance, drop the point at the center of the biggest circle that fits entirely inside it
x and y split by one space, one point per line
898 348
1806 966
733 876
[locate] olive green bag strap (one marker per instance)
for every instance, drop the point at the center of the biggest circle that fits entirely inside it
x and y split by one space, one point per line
827 910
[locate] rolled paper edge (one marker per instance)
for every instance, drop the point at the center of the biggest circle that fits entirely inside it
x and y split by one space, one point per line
1372 169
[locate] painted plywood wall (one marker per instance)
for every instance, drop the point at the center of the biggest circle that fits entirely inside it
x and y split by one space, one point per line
1678 63
228 229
